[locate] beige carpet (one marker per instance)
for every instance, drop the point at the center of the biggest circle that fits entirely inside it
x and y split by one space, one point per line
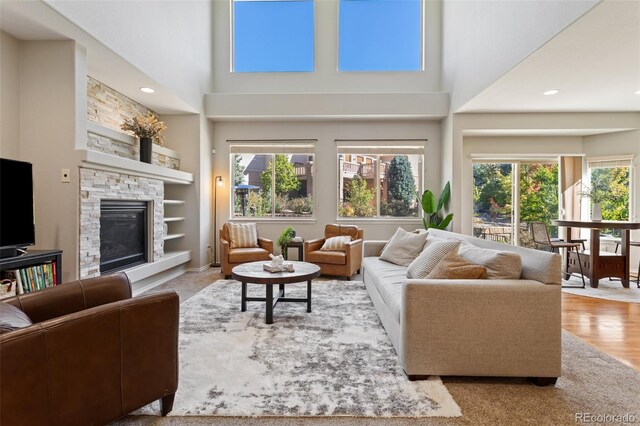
591 382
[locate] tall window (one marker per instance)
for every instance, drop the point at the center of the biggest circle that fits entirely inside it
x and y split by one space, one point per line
381 185
272 185
611 177
380 35
272 35
508 196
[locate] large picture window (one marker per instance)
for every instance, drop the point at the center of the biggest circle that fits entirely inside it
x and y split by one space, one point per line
272 185
380 35
272 35
378 185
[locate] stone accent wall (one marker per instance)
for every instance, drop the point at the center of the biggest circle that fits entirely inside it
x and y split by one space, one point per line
96 185
109 108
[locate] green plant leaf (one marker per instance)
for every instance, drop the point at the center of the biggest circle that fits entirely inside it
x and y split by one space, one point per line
445 222
444 196
428 203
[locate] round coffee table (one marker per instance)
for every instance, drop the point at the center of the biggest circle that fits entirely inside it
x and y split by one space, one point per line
253 273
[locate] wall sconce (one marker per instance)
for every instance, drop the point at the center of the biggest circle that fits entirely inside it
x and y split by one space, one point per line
219 183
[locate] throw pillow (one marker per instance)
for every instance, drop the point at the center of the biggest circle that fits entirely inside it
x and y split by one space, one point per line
243 235
12 318
430 257
452 267
501 265
403 247
336 243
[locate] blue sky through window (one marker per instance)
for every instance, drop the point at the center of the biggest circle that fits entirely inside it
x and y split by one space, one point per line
380 35
273 36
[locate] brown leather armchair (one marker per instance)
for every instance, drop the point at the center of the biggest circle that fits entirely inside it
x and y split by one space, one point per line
92 355
340 263
230 257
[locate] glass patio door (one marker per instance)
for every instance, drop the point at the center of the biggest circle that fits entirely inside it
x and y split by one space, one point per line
510 195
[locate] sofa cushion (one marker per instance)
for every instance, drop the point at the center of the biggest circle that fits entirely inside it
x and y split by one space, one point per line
243 235
388 279
12 318
432 254
252 254
331 257
501 265
336 243
403 247
455 267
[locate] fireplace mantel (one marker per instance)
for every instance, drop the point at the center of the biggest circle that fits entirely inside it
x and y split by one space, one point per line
113 163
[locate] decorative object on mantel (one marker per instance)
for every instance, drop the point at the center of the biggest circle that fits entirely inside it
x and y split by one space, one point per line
147 129
597 194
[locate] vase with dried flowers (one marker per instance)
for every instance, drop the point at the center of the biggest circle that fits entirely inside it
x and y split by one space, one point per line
148 129
597 193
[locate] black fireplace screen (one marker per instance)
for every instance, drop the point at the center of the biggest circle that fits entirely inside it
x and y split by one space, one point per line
123 234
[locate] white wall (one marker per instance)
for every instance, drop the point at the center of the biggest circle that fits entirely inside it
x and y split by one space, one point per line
9 96
168 40
326 178
482 40
52 92
325 78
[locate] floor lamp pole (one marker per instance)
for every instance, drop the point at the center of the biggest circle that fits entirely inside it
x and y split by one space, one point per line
218 182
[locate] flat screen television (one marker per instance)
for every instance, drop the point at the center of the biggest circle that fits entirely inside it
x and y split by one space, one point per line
17 228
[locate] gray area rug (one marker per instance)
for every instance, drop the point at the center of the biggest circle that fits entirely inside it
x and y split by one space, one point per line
609 290
334 361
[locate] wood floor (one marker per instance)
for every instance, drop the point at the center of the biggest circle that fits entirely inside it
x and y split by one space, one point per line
612 327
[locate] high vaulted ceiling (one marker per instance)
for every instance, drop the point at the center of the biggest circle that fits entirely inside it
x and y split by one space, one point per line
594 63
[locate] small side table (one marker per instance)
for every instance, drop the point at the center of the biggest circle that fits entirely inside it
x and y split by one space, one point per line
294 244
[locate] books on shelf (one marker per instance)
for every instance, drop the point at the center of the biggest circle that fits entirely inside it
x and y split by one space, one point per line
32 278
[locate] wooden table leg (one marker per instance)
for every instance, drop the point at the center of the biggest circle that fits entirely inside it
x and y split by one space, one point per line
626 251
309 296
243 303
594 273
269 302
282 289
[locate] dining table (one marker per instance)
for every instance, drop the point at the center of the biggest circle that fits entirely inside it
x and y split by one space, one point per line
600 265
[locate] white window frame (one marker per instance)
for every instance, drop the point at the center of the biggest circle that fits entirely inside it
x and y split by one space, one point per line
273 148
613 161
403 147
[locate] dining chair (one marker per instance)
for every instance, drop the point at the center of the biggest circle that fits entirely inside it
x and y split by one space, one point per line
541 238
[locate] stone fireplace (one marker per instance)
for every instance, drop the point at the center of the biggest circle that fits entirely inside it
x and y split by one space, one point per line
102 187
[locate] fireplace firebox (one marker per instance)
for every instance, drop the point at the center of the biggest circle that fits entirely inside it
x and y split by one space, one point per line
123 234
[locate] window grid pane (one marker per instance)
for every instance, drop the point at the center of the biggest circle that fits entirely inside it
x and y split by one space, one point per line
262 190
380 35
273 36
378 186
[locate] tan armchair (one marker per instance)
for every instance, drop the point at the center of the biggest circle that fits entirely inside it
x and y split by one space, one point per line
339 263
88 353
236 256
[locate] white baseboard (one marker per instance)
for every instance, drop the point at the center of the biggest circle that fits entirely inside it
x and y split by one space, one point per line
200 269
143 286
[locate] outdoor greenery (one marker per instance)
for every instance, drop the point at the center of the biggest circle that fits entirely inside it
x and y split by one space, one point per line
286 179
400 189
359 199
238 170
614 183
432 217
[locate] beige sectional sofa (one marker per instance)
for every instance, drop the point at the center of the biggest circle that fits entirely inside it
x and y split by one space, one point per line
508 328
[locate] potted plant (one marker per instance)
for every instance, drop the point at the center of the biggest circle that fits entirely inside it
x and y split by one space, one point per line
597 193
285 238
147 129
432 217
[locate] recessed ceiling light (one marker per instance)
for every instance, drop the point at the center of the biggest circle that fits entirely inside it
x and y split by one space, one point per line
637 92
147 90
551 92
